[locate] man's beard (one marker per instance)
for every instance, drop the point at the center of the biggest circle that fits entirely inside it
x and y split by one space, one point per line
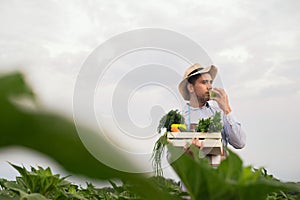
203 100
199 100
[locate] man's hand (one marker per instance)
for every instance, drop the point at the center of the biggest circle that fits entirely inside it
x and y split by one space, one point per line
222 99
198 143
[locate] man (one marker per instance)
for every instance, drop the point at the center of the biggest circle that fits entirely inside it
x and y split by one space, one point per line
195 88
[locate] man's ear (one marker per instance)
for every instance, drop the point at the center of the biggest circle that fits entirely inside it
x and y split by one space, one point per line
190 88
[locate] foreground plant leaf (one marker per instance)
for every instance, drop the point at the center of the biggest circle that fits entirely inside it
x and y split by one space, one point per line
56 136
229 181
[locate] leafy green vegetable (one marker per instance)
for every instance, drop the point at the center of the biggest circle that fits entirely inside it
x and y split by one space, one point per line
212 94
203 125
211 124
172 117
158 152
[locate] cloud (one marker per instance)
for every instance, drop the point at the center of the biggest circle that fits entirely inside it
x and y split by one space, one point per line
236 54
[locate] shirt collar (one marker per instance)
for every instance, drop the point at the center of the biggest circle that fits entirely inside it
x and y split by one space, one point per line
205 105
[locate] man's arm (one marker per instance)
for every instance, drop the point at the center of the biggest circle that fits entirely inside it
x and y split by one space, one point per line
233 129
235 133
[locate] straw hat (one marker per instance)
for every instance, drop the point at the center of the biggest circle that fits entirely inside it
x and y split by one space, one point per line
191 71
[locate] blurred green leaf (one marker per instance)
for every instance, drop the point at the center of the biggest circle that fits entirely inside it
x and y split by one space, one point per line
198 176
14 85
56 136
229 181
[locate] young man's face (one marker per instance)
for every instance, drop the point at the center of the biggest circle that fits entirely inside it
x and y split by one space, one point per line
201 87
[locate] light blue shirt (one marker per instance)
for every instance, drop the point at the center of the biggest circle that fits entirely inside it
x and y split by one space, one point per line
232 132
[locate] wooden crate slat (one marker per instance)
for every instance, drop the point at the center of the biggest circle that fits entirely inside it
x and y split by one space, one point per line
206 143
199 135
212 142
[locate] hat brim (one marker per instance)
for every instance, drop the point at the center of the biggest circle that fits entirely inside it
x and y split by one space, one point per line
182 87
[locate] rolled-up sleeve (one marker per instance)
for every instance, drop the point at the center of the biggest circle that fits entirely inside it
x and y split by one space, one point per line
234 131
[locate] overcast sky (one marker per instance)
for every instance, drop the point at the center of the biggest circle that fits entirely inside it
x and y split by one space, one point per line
255 44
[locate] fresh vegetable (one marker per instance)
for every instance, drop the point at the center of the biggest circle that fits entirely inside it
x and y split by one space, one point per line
175 129
178 128
172 117
211 124
157 154
212 94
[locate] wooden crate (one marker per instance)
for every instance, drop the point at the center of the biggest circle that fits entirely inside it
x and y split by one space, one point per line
212 142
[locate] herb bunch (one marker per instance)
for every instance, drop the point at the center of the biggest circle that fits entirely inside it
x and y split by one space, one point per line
157 154
172 117
211 124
